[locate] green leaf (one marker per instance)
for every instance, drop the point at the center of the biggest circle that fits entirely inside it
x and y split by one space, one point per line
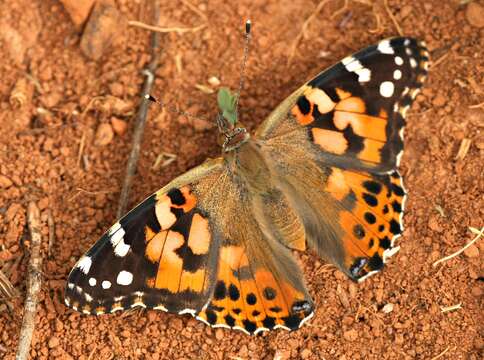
227 104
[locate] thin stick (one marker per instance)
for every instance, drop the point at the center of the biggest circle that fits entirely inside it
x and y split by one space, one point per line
35 279
441 354
479 234
394 20
149 72
159 29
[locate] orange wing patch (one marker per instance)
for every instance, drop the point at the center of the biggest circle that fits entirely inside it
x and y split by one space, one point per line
251 299
370 216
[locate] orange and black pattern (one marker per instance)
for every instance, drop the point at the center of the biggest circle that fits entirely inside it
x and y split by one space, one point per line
216 243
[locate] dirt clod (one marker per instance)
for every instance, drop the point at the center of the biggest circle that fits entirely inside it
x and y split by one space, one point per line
475 14
5 182
78 10
472 251
119 126
99 34
104 134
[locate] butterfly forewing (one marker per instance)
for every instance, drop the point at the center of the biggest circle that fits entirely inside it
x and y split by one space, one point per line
336 143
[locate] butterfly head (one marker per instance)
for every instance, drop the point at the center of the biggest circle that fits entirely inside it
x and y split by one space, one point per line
231 136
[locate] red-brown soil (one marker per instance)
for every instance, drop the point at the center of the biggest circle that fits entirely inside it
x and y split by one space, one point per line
42 130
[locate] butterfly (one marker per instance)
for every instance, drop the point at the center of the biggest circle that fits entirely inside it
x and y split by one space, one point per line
319 174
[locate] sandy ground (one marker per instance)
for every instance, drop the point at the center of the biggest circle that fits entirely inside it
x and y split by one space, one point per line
51 152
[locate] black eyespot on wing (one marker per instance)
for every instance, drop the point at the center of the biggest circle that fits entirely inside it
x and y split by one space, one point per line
372 186
251 299
269 293
249 326
234 293
211 317
370 218
229 320
220 290
370 199
269 322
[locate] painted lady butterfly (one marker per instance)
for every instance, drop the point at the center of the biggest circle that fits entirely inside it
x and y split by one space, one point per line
320 173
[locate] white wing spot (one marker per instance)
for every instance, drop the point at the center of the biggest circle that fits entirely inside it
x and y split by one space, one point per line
353 65
92 281
408 51
385 48
398 60
406 42
397 74
364 75
106 284
70 285
84 264
124 278
386 89
121 249
413 63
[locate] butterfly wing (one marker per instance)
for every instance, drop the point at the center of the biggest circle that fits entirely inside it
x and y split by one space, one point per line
194 247
161 255
335 144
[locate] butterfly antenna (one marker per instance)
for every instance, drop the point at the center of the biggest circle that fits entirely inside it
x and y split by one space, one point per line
248 26
172 109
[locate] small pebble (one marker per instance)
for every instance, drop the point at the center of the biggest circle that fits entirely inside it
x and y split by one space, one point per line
5 182
472 251
53 342
104 134
350 335
119 126
475 14
214 81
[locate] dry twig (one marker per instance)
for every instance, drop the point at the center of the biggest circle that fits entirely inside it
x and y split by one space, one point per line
450 308
35 279
149 72
463 149
159 29
478 233
392 17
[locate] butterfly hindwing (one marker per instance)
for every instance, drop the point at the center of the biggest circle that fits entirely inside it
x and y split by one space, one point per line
335 144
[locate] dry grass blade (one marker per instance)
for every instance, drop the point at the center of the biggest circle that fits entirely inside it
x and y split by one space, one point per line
457 253
7 290
159 29
35 280
162 160
392 17
463 149
476 106
441 354
445 309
